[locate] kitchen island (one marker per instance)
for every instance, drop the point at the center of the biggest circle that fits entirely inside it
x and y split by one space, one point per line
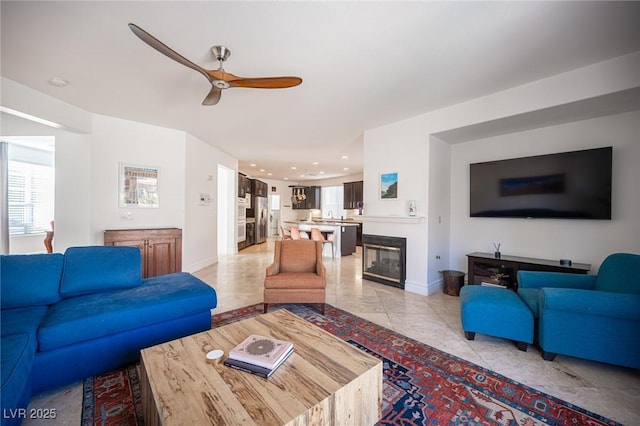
343 234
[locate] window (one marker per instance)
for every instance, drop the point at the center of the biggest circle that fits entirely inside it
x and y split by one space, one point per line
332 201
31 190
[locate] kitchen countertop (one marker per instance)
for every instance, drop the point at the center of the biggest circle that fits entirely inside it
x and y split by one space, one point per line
335 222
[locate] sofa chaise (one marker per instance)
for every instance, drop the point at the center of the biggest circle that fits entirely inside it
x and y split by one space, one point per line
67 317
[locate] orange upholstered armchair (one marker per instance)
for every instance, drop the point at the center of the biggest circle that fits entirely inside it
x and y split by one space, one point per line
297 274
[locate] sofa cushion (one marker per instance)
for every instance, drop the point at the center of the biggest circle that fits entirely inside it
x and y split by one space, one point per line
295 280
23 320
530 298
298 256
30 279
17 353
158 299
94 269
619 273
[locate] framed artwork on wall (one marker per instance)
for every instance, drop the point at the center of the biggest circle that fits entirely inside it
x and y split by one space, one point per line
139 186
389 186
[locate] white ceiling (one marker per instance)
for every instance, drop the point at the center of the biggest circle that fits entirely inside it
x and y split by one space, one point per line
363 64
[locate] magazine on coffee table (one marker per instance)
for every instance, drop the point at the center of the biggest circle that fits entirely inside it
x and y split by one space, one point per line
254 369
261 351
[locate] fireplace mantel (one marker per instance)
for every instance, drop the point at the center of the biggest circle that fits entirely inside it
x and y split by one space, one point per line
392 219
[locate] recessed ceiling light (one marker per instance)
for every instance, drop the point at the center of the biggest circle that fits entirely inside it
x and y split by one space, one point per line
315 163
346 168
344 157
321 173
262 170
293 167
252 164
269 174
286 178
58 81
301 175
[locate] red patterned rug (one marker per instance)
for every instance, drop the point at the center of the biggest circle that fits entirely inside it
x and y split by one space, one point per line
422 385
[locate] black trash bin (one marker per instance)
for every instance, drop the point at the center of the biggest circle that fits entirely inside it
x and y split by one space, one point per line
452 282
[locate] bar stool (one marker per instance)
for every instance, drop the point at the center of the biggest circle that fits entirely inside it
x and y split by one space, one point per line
316 235
295 233
285 236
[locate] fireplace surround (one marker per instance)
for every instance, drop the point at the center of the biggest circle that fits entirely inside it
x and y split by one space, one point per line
384 259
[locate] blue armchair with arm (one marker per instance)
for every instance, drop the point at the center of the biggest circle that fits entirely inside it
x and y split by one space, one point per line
594 317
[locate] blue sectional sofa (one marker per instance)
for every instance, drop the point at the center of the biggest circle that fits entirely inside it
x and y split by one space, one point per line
67 317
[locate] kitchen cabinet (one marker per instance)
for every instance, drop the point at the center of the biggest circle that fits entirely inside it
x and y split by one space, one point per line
258 188
314 197
244 185
251 236
160 249
348 237
352 194
313 200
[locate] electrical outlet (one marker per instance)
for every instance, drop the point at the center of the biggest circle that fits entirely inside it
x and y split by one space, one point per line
437 257
126 216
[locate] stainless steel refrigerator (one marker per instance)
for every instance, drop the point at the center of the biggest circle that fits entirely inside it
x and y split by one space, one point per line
262 219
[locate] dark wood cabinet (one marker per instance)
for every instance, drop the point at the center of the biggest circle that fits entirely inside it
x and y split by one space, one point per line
258 188
161 249
485 266
348 237
353 194
313 198
244 185
250 236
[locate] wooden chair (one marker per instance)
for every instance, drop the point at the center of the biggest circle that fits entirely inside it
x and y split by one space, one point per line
316 235
297 274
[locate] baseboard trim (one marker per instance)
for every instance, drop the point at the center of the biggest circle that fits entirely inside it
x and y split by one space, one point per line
416 288
200 265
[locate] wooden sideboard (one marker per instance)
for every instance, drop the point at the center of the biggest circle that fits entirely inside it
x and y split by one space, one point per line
161 248
483 265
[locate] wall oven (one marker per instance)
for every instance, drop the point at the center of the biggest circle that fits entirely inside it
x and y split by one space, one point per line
242 220
242 230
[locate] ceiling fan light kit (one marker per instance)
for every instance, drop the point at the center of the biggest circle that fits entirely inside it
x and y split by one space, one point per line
219 78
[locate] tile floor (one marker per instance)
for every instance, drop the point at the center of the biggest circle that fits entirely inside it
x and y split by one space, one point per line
435 320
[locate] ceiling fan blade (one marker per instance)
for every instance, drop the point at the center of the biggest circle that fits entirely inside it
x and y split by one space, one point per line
213 97
166 50
266 82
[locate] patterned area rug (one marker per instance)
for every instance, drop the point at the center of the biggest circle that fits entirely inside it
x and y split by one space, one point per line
422 385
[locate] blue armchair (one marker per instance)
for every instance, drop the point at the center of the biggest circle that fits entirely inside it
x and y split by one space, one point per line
594 317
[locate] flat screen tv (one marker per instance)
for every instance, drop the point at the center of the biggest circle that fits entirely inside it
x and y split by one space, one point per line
567 185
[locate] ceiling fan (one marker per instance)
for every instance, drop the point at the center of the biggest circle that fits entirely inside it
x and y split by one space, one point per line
219 78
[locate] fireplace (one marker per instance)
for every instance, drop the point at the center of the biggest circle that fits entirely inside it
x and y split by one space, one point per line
384 259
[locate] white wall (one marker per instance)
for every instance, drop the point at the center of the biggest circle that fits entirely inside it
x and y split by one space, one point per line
409 147
199 243
87 174
73 191
401 148
583 241
439 212
115 141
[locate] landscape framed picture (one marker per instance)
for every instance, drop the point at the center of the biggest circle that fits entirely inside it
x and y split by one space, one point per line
139 186
389 186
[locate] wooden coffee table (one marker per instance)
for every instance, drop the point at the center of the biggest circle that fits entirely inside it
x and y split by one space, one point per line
325 381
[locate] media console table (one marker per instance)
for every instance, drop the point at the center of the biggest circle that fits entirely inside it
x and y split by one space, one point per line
484 265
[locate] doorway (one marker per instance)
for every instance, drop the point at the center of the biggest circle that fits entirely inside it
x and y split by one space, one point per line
226 209
28 193
274 215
